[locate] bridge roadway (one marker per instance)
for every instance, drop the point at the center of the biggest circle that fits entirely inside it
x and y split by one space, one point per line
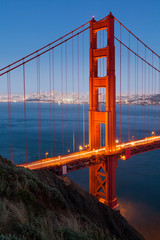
86 158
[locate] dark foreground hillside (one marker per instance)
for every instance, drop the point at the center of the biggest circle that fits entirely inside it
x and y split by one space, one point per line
40 206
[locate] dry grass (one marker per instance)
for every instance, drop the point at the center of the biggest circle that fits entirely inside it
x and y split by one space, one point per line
12 213
71 222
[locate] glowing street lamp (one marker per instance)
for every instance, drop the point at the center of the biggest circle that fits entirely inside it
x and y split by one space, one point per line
46 154
123 157
80 148
153 133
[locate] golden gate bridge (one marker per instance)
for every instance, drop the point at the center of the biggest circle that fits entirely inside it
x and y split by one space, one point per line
122 70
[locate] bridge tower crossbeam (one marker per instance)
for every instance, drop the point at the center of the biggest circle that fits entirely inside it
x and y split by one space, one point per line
102 177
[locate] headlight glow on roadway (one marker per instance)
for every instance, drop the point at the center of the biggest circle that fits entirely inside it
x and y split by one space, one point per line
60 160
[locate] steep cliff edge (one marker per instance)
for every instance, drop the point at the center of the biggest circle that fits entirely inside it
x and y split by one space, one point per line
41 206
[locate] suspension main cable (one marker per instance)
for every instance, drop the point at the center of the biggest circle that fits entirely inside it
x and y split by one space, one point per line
48 45
11 69
136 55
137 38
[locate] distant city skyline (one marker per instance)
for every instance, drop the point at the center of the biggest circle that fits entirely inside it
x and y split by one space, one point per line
80 98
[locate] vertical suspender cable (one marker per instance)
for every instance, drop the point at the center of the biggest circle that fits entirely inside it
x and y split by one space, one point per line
9 116
73 92
24 92
149 98
53 100
135 94
129 90
39 107
66 95
62 97
78 90
83 90
120 82
50 88
142 119
155 104
145 94
152 126
137 89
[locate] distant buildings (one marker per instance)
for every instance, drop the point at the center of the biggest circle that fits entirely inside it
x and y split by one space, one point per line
79 98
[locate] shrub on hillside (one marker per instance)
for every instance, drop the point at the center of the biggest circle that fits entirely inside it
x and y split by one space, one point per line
11 237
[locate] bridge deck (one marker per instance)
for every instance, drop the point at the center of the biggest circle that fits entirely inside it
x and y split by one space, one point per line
86 158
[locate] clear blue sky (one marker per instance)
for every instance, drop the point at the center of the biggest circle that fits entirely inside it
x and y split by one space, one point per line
27 25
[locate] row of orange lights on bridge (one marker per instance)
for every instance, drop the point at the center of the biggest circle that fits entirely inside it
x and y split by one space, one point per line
118 147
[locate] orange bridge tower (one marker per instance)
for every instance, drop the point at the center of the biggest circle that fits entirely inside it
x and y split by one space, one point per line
102 177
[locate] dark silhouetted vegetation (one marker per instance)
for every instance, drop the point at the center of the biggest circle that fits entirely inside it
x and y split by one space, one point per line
40 206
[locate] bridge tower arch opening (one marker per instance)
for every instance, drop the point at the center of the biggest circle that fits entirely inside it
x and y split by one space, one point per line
102 177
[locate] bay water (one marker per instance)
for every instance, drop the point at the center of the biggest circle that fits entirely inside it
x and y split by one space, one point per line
138 178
